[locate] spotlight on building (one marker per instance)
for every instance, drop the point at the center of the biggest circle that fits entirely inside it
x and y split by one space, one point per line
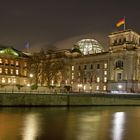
28 85
31 75
120 86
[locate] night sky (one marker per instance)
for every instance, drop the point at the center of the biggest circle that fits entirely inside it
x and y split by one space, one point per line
60 23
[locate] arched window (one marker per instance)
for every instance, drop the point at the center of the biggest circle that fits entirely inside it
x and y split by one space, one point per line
119 64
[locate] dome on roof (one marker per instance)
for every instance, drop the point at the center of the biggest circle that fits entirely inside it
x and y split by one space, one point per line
89 46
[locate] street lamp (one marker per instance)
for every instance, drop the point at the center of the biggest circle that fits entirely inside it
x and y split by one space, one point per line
31 75
120 86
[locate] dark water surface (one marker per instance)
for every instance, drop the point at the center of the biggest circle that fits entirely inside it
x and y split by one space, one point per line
74 123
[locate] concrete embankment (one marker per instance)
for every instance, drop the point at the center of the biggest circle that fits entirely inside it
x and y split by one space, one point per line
75 99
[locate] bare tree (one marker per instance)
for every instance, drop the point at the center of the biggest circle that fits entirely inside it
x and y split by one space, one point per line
45 67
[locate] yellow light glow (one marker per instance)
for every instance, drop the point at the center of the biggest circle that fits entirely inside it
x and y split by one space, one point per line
31 125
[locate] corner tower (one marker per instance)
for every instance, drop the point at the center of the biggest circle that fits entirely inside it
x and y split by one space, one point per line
124 40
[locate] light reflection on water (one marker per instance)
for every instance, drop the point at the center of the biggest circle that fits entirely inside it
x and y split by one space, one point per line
118 125
83 123
31 127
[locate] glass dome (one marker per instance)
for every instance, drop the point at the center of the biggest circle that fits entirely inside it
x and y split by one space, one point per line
89 46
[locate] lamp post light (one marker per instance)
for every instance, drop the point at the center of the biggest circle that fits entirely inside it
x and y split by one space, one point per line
30 82
79 87
31 75
120 87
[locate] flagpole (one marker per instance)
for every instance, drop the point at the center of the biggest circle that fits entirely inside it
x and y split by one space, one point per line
124 27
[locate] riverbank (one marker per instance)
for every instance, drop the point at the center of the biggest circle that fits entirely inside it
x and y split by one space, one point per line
73 99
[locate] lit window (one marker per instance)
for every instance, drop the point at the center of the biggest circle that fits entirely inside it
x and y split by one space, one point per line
79 74
25 81
105 72
72 77
6 61
97 88
105 65
9 80
98 79
25 73
6 71
0 61
25 64
104 87
105 79
17 63
0 70
71 82
12 71
3 80
12 62
17 72
14 80
72 68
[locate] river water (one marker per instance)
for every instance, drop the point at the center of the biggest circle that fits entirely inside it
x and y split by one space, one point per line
74 123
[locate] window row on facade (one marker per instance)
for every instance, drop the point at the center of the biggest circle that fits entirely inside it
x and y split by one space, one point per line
12 71
90 66
11 62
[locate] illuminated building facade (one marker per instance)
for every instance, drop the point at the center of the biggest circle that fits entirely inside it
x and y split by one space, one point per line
87 67
13 67
117 69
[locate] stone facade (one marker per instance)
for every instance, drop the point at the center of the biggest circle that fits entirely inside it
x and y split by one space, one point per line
13 67
117 69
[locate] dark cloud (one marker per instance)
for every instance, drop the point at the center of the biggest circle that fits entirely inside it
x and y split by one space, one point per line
44 22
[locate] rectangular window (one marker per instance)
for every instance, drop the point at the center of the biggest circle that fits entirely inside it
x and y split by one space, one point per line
85 80
79 74
104 87
17 72
98 79
105 72
13 80
85 67
3 80
105 65
79 68
119 76
6 71
17 63
97 87
6 61
25 72
12 71
98 66
0 70
72 68
9 80
105 79
0 61
91 66
25 64
12 62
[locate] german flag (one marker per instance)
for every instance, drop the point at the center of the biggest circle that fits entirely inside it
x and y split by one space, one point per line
120 22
